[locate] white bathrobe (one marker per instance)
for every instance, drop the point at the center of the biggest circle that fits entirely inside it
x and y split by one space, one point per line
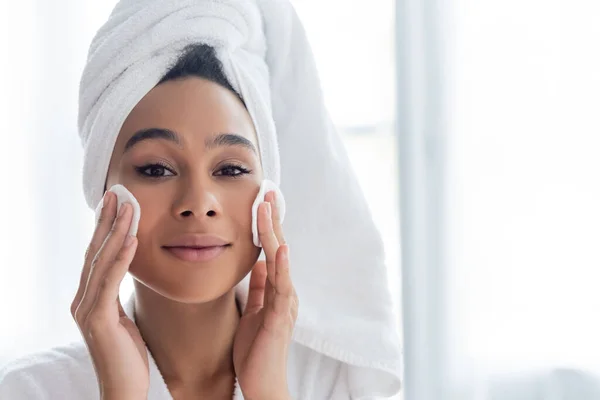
67 373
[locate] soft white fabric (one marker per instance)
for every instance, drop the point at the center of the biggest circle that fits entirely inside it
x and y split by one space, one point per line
265 187
338 269
133 50
124 196
67 373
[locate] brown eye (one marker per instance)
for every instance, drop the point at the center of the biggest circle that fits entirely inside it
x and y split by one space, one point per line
154 171
232 171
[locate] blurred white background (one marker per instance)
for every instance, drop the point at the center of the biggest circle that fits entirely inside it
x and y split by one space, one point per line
498 133
498 143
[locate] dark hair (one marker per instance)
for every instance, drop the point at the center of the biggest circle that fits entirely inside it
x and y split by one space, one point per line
200 60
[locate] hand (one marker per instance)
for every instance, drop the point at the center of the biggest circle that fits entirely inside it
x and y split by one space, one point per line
117 349
261 342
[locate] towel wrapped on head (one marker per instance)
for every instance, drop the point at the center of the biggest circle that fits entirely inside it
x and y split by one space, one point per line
134 49
338 264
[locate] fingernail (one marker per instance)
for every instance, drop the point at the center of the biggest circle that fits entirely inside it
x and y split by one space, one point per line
129 240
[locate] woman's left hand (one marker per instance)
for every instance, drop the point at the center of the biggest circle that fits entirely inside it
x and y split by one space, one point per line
261 343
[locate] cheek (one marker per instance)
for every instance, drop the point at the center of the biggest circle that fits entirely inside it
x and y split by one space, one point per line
153 205
239 207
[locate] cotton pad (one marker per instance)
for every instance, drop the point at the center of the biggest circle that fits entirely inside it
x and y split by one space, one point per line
124 196
266 187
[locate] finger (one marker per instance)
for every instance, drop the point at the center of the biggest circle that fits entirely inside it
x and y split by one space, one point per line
284 290
285 287
268 239
108 290
283 306
271 197
103 226
281 287
256 291
269 295
103 260
283 281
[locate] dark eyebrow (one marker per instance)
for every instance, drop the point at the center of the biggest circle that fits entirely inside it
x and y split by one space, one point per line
229 139
222 139
152 133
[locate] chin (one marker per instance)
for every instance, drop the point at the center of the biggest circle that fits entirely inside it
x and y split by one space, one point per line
188 294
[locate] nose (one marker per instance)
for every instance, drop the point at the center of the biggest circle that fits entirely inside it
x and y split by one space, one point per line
197 199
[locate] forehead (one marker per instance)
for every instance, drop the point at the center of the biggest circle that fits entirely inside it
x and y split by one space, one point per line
193 107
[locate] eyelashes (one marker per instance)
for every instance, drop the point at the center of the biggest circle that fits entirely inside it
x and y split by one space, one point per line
153 171
160 170
232 170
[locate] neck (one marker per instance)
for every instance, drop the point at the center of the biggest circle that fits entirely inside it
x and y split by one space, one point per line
192 344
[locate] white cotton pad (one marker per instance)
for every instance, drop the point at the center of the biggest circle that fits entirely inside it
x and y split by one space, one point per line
265 187
124 196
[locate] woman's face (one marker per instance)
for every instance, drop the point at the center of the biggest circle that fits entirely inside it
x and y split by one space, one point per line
188 153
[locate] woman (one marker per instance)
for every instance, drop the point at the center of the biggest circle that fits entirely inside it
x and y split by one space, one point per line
195 185
193 142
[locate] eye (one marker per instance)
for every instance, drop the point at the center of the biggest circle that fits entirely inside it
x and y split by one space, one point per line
232 170
155 171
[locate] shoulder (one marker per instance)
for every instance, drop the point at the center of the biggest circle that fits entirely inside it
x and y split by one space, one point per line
64 372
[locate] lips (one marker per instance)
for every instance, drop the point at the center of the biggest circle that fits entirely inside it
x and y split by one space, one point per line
197 247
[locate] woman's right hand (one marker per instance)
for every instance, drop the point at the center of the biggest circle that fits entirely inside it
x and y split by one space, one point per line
117 349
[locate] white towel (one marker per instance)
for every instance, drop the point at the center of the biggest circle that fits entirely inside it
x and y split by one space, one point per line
338 268
134 49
